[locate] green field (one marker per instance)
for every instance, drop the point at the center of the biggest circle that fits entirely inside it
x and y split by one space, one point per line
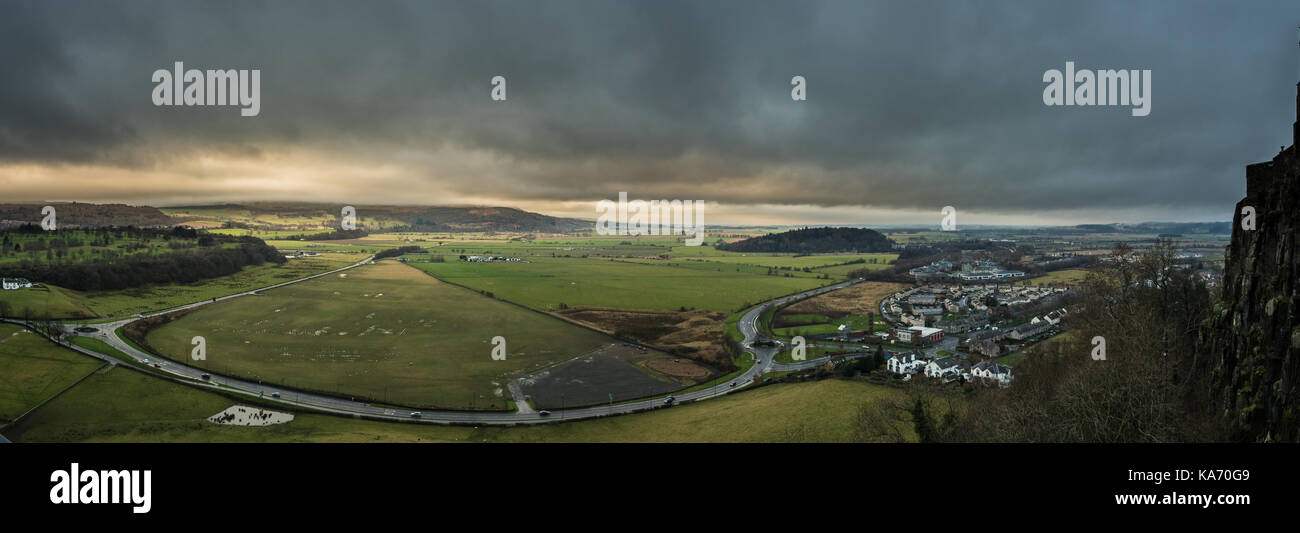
345 247
264 234
545 283
33 369
733 268
785 356
843 271
126 406
66 303
386 332
822 325
44 302
806 261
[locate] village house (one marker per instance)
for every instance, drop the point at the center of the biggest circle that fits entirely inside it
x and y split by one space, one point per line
990 373
941 368
904 364
921 299
13 284
912 320
1025 331
992 334
987 348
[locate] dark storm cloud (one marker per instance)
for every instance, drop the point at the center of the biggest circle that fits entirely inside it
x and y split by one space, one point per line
911 104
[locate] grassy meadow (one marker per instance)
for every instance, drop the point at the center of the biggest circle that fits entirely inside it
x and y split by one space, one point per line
33 369
59 302
545 283
386 331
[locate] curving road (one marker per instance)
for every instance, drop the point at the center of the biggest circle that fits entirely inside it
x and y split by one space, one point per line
187 375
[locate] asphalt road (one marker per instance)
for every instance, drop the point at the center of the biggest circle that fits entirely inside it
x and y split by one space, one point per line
748 326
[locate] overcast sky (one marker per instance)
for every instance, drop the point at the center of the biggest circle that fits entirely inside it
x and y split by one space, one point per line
912 106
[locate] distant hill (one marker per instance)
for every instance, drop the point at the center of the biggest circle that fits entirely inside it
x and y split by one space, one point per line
79 215
317 216
814 241
1168 228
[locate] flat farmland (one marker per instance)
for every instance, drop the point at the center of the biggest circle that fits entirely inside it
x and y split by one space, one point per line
804 261
44 301
545 283
715 266
59 302
33 369
327 246
386 332
1069 276
594 247
824 313
842 271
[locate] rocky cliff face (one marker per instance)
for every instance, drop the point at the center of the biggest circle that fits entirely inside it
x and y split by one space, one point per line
1253 337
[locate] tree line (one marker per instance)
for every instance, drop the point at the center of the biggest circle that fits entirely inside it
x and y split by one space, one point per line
814 240
399 251
211 259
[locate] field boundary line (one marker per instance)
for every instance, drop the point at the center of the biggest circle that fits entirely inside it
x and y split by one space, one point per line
97 370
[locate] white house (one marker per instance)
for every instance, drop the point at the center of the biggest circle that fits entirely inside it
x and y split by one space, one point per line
1054 317
13 284
947 366
904 364
991 372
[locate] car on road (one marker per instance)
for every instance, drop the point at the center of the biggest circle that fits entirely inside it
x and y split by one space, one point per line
206 376
156 365
733 384
416 414
669 400
544 413
275 394
145 360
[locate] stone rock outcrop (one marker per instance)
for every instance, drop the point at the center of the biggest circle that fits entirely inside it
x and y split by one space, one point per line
1253 337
